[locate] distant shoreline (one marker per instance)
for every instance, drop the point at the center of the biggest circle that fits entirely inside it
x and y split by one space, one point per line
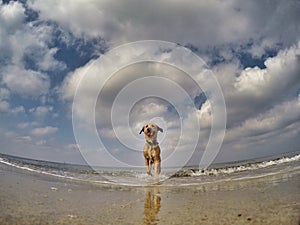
259 159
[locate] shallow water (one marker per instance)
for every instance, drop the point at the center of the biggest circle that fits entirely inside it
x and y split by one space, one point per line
263 191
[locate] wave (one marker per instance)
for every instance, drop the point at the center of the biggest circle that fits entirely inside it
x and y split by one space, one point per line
55 173
185 176
191 172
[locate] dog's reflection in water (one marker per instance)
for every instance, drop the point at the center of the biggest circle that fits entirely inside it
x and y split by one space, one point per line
152 205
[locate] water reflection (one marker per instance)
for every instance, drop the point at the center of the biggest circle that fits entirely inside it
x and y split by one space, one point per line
152 204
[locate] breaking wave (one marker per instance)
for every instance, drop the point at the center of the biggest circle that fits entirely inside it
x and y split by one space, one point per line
236 168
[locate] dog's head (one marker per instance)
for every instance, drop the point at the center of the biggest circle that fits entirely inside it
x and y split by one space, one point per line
150 131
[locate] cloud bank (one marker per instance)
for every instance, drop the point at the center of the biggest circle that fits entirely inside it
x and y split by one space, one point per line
253 49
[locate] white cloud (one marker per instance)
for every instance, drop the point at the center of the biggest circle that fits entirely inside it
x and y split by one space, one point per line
10 134
19 109
205 115
261 104
13 143
252 91
41 55
44 131
23 139
147 109
281 74
71 81
12 16
272 121
25 125
5 107
4 93
199 22
41 111
41 142
26 82
20 39
126 21
153 110
72 147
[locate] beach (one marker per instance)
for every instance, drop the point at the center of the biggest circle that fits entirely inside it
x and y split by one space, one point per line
31 198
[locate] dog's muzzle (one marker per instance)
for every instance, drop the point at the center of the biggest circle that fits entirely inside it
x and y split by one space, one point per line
149 132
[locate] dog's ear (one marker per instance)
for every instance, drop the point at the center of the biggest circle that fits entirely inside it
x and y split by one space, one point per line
142 130
160 129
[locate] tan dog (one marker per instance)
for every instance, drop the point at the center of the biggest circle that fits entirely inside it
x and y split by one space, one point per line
151 148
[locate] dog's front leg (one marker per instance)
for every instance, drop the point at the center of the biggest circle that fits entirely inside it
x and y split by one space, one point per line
157 168
148 166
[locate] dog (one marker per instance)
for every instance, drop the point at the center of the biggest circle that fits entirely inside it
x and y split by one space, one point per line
151 148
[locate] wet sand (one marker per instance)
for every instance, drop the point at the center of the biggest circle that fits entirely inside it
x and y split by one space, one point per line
32 198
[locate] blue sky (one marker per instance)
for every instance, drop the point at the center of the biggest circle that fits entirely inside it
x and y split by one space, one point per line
252 47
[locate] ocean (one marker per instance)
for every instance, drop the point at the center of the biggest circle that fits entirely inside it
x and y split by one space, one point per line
283 165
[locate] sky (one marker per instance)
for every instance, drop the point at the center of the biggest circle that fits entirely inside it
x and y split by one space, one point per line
51 50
